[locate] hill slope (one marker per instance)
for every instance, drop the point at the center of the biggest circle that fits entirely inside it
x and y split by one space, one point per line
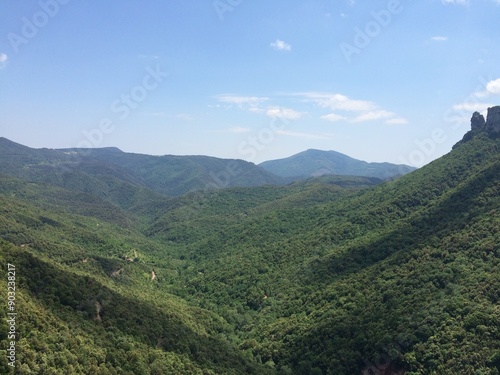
177 175
108 170
339 285
326 276
317 163
86 297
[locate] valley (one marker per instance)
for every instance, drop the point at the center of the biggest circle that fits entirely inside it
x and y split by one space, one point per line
139 264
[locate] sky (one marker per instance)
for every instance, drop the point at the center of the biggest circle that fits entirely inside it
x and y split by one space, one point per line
394 81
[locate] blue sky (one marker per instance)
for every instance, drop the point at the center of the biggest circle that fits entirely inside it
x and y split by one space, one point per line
377 80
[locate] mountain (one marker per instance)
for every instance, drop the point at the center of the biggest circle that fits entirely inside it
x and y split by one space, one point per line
89 303
332 275
128 179
177 175
104 171
399 277
317 163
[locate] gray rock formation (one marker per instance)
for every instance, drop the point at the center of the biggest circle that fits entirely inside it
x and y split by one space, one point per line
493 120
477 121
491 126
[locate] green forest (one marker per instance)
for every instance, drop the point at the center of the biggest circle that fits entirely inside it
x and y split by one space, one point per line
336 275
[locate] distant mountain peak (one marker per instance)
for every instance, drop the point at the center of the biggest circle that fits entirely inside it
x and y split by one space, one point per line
315 163
7 142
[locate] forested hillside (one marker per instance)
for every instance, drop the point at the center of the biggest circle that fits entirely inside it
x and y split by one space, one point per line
107 172
318 163
335 275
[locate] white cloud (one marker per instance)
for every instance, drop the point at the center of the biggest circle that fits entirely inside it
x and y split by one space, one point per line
281 45
373 115
256 109
397 121
472 107
3 60
234 99
354 110
476 101
340 107
339 102
255 104
493 87
250 103
333 117
439 38
286 113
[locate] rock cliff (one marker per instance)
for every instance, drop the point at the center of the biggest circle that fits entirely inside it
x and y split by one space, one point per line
478 125
493 120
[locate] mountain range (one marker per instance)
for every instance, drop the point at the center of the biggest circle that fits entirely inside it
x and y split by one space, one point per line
100 169
330 275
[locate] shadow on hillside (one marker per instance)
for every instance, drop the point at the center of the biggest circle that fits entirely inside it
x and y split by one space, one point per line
424 228
84 302
338 334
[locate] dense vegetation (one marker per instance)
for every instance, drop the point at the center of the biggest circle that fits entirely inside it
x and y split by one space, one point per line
109 172
317 163
335 275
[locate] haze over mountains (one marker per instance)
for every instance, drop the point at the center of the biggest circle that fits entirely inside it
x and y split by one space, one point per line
174 175
333 275
313 163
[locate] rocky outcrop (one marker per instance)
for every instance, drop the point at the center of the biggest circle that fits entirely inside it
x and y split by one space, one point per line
493 120
477 121
98 308
491 126
492 123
